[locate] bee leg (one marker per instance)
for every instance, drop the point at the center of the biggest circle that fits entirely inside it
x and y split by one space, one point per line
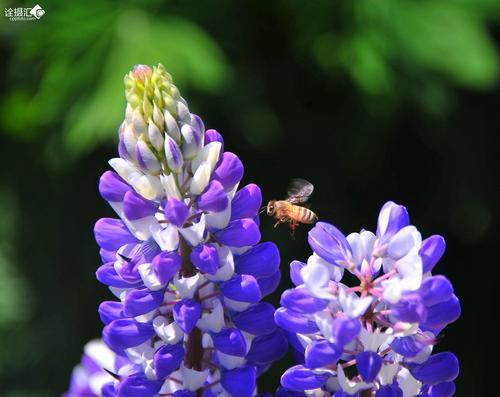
293 226
277 223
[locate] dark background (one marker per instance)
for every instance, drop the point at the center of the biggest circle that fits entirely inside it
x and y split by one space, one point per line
370 100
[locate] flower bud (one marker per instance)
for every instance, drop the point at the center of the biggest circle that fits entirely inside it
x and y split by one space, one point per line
192 141
173 155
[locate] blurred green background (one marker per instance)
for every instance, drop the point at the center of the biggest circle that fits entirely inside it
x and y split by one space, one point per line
370 100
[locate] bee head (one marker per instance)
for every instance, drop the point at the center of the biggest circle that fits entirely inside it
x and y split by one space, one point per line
271 207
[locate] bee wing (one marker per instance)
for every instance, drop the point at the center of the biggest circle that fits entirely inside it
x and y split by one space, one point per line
299 191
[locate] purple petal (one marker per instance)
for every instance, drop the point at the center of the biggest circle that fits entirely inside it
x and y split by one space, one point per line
330 244
230 170
136 207
441 367
176 212
345 330
112 187
410 309
107 275
107 390
257 319
214 198
111 234
445 389
407 346
137 385
186 314
107 256
240 381
321 353
431 251
110 311
125 333
269 284
230 341
300 378
142 301
435 290
243 288
205 258
246 202
392 218
260 261
167 359
368 364
301 301
239 233
173 154
267 348
389 391
294 322
438 316
165 265
295 268
214 136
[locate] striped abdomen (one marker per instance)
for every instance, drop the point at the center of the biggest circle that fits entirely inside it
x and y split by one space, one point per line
302 214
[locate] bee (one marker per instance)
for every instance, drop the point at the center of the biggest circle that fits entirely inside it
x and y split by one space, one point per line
292 209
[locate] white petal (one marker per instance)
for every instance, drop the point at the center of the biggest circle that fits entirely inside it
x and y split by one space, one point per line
372 340
410 272
169 333
194 234
404 241
149 278
129 140
167 238
125 169
141 228
170 386
352 304
147 317
120 293
237 306
170 186
349 386
387 373
193 379
336 272
209 153
138 354
316 277
219 220
392 290
226 265
213 321
148 186
171 126
200 178
101 354
187 286
407 383
324 322
230 362
149 371
98 380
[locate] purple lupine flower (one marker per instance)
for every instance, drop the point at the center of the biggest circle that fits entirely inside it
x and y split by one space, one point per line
184 259
384 329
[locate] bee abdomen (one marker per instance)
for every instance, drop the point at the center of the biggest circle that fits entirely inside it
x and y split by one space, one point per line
306 215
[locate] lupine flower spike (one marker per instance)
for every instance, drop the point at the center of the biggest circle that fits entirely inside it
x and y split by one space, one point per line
375 338
184 258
